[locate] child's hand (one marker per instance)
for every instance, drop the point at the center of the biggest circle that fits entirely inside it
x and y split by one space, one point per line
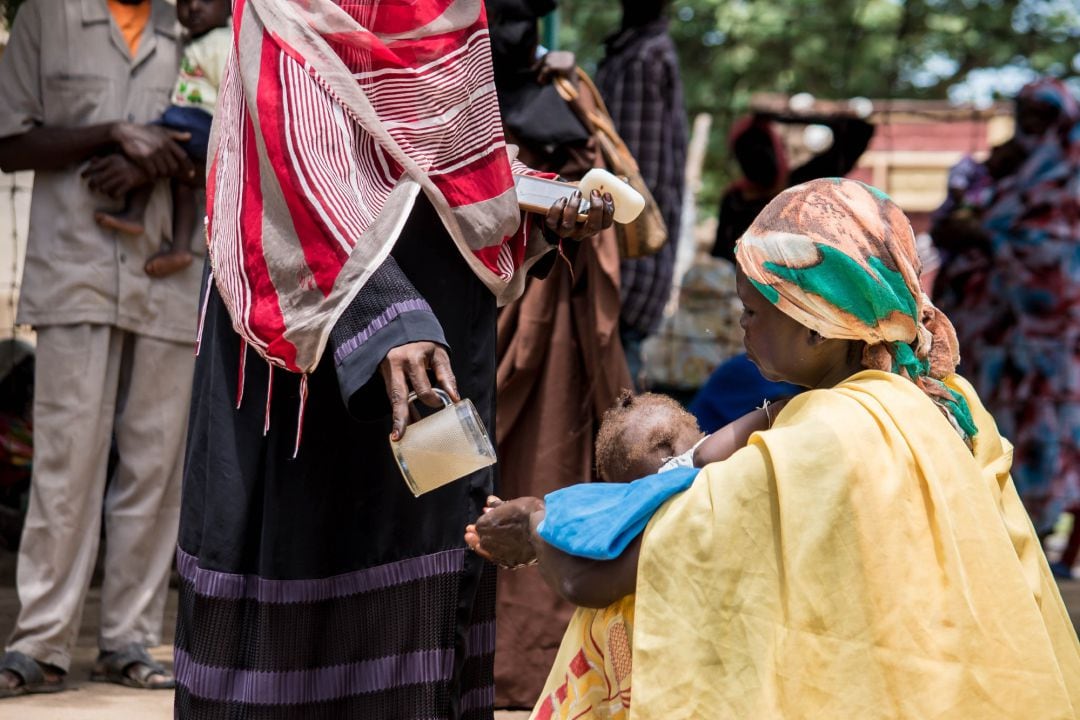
501 534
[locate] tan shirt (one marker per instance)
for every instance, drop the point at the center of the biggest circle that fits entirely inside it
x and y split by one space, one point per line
67 65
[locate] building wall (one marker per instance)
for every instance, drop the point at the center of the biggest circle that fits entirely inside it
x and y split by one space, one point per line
910 158
914 146
14 221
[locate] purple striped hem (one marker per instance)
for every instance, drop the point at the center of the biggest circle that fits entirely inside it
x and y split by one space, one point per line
312 686
481 639
378 324
479 698
231 586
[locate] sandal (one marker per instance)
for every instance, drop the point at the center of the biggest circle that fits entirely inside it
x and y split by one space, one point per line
31 673
132 667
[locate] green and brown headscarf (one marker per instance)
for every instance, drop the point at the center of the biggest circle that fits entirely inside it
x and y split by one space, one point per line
839 257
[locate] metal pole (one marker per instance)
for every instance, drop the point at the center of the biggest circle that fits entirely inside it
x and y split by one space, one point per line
549 30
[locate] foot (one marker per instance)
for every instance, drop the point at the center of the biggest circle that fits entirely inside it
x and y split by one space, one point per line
22 675
9 679
132 667
167 262
119 223
149 676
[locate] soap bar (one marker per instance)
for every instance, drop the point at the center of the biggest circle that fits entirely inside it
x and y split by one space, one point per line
628 201
537 195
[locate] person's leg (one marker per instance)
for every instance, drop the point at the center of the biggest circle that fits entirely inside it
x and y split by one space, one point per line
142 502
176 256
129 220
74 400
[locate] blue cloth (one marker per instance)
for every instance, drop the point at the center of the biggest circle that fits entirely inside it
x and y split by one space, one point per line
598 520
190 120
734 389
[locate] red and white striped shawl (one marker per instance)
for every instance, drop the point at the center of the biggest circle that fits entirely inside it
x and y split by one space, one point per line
331 118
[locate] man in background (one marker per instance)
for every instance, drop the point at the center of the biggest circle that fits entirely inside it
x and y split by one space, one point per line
114 346
639 80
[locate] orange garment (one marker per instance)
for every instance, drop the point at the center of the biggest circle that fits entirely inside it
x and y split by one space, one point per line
132 20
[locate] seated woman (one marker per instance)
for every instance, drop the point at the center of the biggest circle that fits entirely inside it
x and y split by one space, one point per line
867 556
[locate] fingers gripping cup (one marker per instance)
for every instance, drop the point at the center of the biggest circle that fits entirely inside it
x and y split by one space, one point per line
443 447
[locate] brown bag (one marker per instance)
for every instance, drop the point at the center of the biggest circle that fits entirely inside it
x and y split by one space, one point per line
648 233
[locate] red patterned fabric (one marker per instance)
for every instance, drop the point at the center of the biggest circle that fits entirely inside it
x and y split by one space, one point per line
331 119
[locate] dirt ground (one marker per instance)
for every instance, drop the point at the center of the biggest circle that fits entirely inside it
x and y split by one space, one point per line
99 701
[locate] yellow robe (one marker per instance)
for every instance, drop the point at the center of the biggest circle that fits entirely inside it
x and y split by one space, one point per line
855 561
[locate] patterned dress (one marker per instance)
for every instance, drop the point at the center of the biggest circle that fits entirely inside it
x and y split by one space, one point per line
1017 310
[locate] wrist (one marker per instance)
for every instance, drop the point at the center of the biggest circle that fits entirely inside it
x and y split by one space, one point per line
114 132
535 518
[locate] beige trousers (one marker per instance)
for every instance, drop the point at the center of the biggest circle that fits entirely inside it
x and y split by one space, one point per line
92 380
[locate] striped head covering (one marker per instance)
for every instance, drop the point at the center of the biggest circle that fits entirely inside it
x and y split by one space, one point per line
332 117
839 257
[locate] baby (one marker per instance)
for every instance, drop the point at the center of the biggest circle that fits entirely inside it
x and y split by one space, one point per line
639 436
191 112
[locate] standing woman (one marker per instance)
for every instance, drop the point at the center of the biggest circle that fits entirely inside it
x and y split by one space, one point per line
362 224
1018 313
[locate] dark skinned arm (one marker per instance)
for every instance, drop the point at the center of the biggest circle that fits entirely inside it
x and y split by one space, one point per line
44 148
152 149
724 443
584 582
506 535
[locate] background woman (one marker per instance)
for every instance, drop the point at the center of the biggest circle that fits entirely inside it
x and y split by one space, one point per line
1013 289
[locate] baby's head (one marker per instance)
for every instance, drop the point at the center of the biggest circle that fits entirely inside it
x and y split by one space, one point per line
201 16
639 433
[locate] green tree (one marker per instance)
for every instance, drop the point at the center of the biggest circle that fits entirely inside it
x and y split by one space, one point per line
730 49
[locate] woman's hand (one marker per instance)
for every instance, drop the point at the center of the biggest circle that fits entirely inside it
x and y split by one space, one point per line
502 534
562 217
407 366
154 149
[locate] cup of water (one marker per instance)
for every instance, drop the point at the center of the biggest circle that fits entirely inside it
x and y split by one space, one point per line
443 447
